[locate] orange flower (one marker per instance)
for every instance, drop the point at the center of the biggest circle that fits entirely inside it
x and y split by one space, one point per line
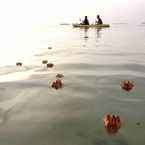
49 65
107 120
44 61
59 75
57 84
127 85
112 123
19 64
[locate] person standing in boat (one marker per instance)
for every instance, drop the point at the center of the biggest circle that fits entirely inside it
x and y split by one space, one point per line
99 20
85 21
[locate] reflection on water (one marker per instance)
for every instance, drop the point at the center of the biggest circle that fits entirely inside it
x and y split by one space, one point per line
86 33
98 32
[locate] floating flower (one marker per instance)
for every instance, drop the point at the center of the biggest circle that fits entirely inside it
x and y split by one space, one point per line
107 120
127 85
49 65
19 64
44 61
59 75
112 123
86 37
57 84
49 47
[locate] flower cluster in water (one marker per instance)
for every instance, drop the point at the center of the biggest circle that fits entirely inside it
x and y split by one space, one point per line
112 123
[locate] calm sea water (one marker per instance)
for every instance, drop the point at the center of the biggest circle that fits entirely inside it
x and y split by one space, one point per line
94 62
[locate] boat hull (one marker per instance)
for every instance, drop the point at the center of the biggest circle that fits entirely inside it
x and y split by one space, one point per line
91 26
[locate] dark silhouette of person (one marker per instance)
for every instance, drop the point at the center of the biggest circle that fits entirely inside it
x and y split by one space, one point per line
86 21
99 20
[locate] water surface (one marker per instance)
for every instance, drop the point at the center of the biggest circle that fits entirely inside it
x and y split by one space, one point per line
94 62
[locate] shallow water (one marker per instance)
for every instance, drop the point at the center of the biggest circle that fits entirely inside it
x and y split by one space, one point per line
94 62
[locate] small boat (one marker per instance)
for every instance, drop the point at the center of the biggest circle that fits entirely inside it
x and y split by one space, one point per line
91 26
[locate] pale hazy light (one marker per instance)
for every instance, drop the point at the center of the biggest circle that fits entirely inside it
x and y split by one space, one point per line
20 17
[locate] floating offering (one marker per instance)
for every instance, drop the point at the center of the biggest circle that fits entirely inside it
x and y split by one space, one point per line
44 61
49 47
112 123
59 76
57 84
86 37
49 65
127 85
18 64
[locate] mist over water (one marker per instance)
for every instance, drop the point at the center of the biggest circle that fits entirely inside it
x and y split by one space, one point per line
23 24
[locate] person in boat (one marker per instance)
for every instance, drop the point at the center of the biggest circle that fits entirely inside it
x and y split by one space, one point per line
85 21
99 20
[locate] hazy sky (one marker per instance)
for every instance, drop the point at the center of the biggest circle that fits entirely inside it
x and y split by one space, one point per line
39 11
19 16
21 19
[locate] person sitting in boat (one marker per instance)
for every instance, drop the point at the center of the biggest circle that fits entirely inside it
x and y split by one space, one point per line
99 20
85 21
